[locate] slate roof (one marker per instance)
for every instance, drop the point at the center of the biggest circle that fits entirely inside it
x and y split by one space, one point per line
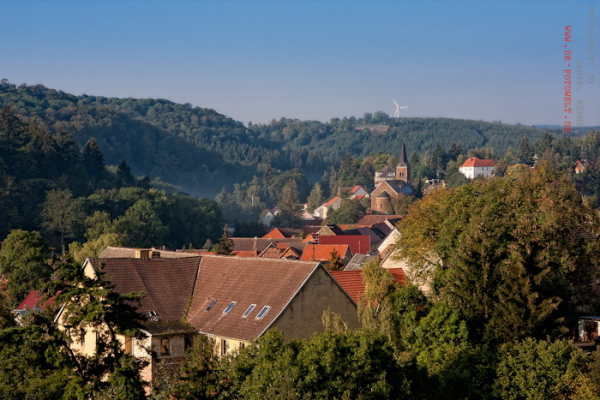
168 283
322 252
476 162
357 243
359 261
246 281
352 281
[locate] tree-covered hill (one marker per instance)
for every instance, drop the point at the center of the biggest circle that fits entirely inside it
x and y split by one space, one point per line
360 137
203 151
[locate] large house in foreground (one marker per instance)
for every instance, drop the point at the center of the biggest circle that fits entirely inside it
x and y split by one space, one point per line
231 299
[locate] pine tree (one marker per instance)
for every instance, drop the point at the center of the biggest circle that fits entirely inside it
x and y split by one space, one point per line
225 245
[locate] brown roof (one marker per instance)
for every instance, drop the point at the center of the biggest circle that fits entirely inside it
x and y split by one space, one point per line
352 281
168 283
371 220
246 281
259 244
129 252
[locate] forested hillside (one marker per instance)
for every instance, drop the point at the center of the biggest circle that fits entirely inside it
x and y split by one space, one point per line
48 184
203 151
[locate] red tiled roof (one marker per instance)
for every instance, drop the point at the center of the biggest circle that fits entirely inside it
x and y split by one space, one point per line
246 281
352 282
33 301
330 202
276 233
168 283
250 253
322 252
359 244
476 162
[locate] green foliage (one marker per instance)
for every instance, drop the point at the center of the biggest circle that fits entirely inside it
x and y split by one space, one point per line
540 369
25 262
507 253
349 365
335 262
316 198
349 212
198 377
225 245
63 214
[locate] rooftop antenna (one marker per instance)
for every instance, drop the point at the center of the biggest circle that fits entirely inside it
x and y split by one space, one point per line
397 113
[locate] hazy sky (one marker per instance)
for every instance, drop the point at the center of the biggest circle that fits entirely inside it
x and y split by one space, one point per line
256 60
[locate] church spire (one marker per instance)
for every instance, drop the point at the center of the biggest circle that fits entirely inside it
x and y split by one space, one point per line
403 168
403 160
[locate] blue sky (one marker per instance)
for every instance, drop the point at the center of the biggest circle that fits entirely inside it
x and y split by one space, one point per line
256 60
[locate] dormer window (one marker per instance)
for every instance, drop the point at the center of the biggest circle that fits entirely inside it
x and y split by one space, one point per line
249 310
263 312
229 307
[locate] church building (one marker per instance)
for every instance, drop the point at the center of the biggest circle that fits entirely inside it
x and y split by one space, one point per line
391 185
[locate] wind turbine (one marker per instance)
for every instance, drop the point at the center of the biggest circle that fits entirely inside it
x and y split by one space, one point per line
397 113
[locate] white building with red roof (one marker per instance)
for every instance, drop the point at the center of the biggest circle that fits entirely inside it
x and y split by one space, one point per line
475 168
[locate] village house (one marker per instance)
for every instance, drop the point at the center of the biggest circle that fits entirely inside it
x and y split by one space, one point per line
231 299
473 168
237 300
581 166
324 209
168 285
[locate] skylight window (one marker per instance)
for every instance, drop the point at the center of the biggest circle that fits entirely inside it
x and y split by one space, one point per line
212 303
263 312
229 307
249 310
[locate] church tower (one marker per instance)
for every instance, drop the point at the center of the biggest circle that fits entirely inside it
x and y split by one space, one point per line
403 168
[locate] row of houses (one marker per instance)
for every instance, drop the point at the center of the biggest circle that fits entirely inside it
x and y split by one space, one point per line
232 299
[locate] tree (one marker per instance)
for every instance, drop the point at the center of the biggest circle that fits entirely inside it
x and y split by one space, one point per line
93 160
63 214
335 262
509 253
125 175
349 212
36 360
346 365
141 225
199 376
540 369
25 262
315 199
288 201
225 245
